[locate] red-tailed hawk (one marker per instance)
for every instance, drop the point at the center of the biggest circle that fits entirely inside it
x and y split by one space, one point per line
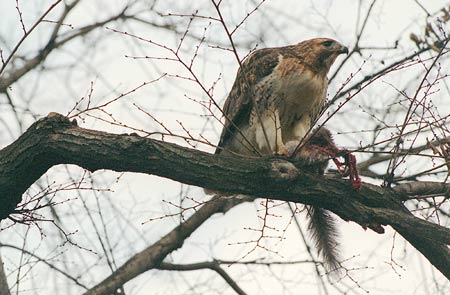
277 93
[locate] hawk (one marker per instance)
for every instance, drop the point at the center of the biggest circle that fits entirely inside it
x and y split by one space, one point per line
277 94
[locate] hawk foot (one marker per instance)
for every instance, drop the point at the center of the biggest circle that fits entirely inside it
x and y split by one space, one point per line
282 151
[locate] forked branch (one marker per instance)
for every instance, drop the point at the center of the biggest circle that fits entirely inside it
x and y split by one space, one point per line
55 140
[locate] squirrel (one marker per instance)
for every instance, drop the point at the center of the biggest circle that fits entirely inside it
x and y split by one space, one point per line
315 154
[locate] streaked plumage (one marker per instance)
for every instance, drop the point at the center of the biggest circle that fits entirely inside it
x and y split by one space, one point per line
277 93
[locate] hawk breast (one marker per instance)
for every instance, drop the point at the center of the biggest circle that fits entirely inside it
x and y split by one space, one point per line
301 93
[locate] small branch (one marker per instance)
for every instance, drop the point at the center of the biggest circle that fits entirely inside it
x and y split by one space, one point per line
27 34
356 47
423 7
212 265
52 44
308 249
45 261
20 17
394 162
412 151
153 256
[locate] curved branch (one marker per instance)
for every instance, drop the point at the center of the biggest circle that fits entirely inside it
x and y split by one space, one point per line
212 265
55 140
153 256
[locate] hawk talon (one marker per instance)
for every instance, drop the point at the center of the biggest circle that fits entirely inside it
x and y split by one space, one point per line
282 151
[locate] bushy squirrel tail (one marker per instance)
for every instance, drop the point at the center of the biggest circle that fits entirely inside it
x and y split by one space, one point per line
322 228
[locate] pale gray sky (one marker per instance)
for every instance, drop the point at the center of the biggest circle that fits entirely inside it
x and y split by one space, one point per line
100 58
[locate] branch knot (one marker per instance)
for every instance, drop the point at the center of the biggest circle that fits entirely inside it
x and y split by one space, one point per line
284 169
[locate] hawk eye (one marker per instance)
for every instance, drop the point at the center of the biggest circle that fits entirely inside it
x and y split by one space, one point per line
327 43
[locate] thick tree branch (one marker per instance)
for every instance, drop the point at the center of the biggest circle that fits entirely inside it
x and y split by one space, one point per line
55 140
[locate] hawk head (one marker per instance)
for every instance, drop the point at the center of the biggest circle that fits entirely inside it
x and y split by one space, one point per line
320 53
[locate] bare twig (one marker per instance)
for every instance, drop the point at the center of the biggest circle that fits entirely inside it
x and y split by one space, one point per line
212 265
27 33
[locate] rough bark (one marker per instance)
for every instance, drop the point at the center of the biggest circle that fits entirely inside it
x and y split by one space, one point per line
55 140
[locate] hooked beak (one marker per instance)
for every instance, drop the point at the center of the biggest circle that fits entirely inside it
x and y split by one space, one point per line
343 50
